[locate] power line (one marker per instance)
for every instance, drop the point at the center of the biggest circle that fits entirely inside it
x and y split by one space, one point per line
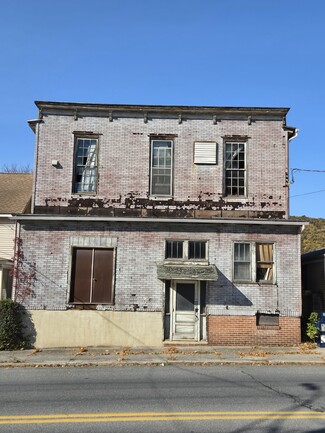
294 170
307 193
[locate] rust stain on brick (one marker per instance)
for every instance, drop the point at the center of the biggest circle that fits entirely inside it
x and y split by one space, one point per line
134 206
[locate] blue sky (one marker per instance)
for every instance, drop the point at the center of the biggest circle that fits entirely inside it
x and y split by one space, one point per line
173 52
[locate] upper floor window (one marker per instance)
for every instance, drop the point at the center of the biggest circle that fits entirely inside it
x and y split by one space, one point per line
253 262
85 165
235 168
161 167
186 250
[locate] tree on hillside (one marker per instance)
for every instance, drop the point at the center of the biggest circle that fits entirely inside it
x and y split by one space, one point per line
313 236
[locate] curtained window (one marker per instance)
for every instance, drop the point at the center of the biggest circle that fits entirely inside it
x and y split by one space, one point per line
253 262
264 262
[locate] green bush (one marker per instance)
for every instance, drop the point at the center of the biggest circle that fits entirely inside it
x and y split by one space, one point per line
11 326
312 331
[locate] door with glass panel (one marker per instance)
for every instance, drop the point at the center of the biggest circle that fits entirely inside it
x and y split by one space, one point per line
185 324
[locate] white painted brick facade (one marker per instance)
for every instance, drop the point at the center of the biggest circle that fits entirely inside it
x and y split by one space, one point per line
198 192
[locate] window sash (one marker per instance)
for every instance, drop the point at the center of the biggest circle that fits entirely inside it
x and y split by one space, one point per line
235 168
85 172
253 262
161 167
185 250
196 250
264 262
174 250
242 262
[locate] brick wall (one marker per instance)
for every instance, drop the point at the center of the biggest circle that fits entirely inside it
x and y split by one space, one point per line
240 330
141 246
124 169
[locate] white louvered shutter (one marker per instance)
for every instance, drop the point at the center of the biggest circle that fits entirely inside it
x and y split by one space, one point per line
205 152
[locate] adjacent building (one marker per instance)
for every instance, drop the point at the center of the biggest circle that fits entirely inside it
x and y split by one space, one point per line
313 282
15 197
159 224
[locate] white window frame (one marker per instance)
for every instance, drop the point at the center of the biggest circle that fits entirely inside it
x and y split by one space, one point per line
253 262
185 256
91 163
232 169
152 167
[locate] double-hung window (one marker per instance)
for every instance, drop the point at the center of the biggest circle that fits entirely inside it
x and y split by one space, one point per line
85 165
253 262
186 250
161 167
235 168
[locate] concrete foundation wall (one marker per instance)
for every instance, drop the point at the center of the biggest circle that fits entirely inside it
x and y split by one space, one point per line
93 328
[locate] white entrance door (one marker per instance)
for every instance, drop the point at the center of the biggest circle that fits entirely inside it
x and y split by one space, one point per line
185 311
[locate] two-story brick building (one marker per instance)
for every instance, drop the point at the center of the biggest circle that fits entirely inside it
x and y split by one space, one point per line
155 224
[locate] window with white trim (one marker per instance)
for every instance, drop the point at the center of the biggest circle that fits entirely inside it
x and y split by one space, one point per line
186 250
235 168
85 165
253 262
161 167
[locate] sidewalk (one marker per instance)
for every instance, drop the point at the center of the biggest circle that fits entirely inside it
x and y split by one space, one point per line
303 354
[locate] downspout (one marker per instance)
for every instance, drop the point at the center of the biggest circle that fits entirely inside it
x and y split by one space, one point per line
292 133
34 124
15 261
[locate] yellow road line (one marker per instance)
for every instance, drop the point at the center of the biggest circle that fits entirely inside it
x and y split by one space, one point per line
155 416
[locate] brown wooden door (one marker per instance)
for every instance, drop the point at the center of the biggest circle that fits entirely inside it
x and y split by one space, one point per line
102 276
92 276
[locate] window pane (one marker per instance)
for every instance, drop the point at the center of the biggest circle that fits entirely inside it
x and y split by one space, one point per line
235 169
196 250
242 261
264 262
174 250
86 165
242 271
161 167
185 297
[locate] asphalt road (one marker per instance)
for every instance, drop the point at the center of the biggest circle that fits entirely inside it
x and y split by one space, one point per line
163 399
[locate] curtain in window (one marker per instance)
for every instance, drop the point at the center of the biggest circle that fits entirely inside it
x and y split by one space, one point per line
161 167
264 262
242 262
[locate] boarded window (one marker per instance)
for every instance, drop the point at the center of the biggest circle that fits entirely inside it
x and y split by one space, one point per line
267 319
205 152
92 276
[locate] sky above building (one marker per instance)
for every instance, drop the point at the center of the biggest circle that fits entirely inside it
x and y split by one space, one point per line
256 53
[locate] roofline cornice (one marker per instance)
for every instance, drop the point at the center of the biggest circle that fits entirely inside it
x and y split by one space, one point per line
177 109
